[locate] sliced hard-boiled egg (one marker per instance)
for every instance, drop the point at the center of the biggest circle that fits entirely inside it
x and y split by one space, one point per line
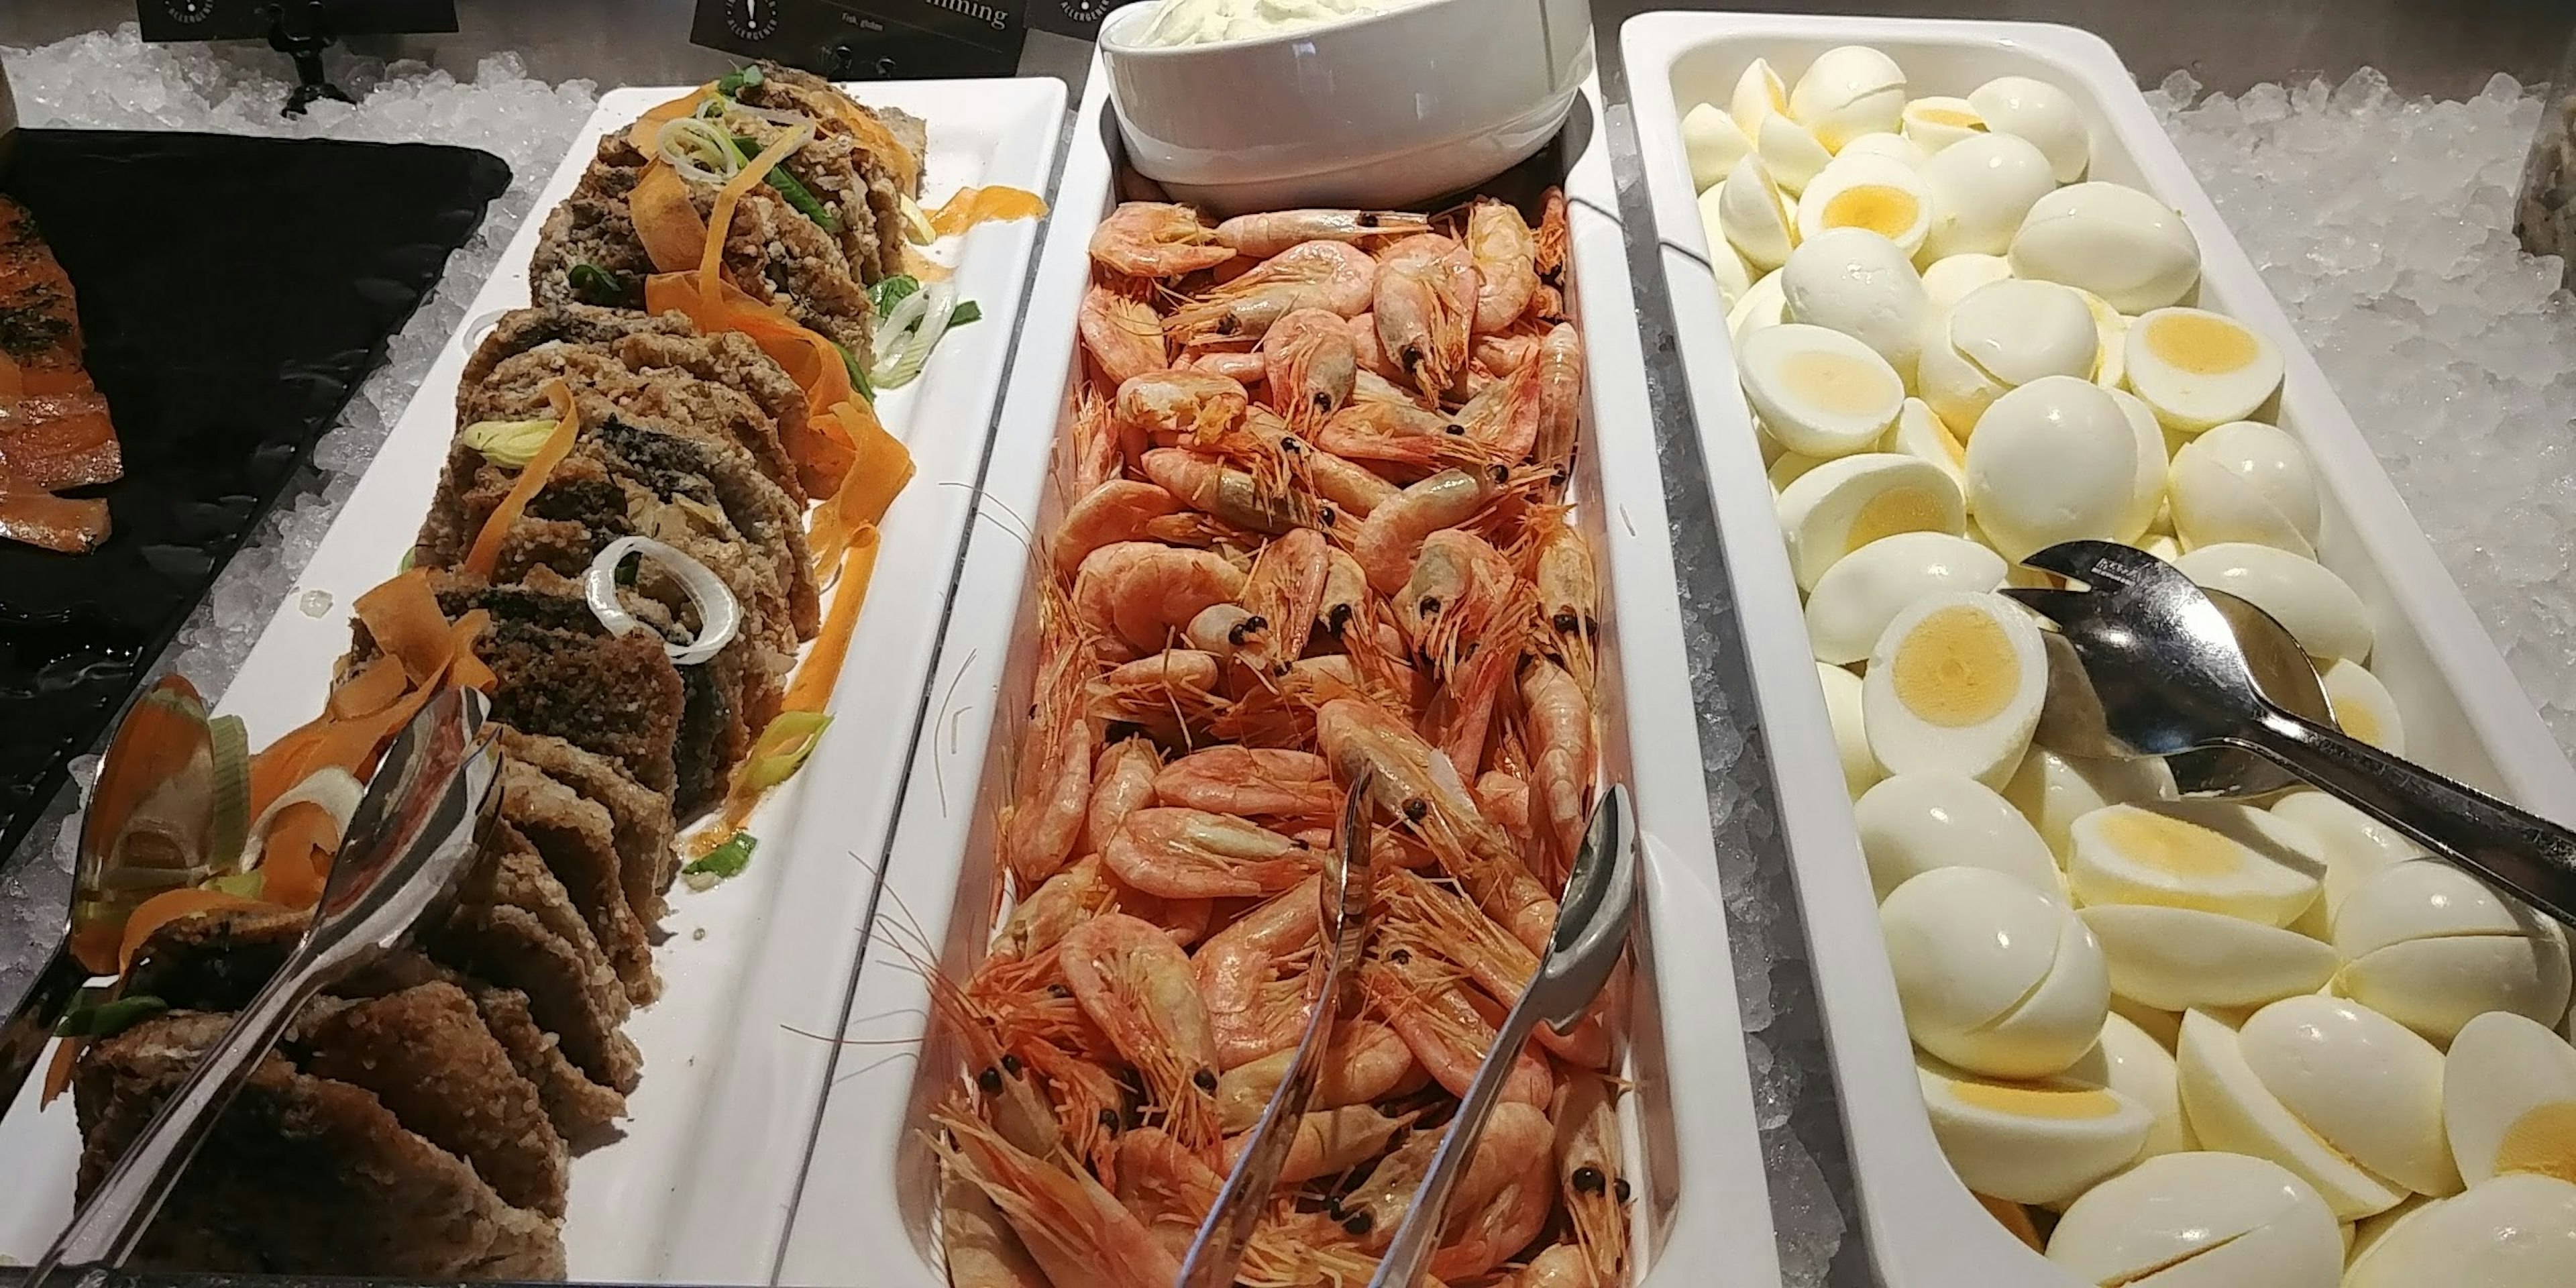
2200 1220
1982 189
1714 143
1790 153
1723 263
2362 1082
2053 790
1911 824
2231 1109
1949 279
2138 1066
1936 121
1754 218
2353 846
2511 1232
1852 603
2174 959
2199 369
2002 336
2163 1026
1759 93
2509 1099
1880 194
2051 461
1761 305
1851 738
2307 599
1847 92
1895 147
1994 976
2363 707
1955 685
1816 390
2114 241
2041 113
2030 1142
1920 433
2432 947
2217 856
2245 481
1848 503
2111 363
2147 489
1789 467
1857 282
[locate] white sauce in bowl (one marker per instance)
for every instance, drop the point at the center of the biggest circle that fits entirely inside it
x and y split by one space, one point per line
1208 22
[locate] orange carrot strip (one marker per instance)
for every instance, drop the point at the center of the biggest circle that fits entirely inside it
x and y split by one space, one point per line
467 671
645 135
972 206
812 687
372 689
486 552
294 858
58 1072
878 471
402 614
166 907
720 220
664 220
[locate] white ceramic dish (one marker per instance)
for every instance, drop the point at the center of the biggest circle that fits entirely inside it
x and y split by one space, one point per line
2462 709
1379 112
1694 1157
698 1187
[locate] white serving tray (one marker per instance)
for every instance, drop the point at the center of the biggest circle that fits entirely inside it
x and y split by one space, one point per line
2462 709
699 1186
1701 1216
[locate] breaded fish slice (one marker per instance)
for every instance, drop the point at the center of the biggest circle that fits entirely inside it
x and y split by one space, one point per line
640 820
577 840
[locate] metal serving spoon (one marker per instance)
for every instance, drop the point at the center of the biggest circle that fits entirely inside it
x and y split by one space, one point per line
413 835
2168 675
1591 931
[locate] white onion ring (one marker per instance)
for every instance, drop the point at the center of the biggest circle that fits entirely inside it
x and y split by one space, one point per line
770 114
336 790
719 613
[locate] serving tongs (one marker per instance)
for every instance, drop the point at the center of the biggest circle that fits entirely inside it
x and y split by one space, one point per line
1591 931
412 837
1346 895
2161 672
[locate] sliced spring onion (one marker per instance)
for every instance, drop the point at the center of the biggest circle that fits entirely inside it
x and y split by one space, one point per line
916 223
965 312
719 613
791 188
912 332
336 790
240 885
891 291
231 823
109 1018
592 284
510 444
699 150
726 860
739 79
782 748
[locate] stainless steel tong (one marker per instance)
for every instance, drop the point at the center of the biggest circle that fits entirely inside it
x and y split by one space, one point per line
412 837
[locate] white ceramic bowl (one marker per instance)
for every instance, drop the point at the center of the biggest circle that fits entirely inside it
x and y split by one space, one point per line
1379 112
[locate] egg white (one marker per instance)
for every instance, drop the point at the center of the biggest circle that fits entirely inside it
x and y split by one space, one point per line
1816 390
1936 121
2216 856
2199 369
1859 283
2232 1110
2365 1084
2174 959
1994 977
2511 1232
2029 1143
1854 600
1955 685
1752 215
1713 142
2305 597
2041 113
2115 241
2206 1219
1839 507
2509 1099
1921 434
2000 337
1983 187
1911 824
2051 461
2363 706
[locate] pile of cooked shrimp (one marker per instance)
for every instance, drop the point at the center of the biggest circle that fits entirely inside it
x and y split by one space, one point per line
1313 522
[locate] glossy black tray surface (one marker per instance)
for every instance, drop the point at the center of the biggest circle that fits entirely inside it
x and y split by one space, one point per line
233 292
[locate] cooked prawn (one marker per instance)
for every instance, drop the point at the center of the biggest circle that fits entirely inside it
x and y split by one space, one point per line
1123 335
1309 366
1255 974
1392 535
1139 594
1156 239
1588 1173
1195 854
1310 275
1134 982
1505 252
1071 1227
1426 305
1367 1062
1264 235
1256 782
1116 510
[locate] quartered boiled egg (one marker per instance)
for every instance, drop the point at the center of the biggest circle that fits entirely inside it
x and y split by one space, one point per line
2432 947
1982 189
2114 241
2358 1080
2026 1142
2053 790
1995 977
1935 121
1753 216
1818 391
2511 1232
2353 846
2138 1066
1857 597
2245 481
2362 706
1723 263
1851 738
1759 93
1877 193
2041 113
2230 1108
2147 487
2200 1220
1894 147
2002 336
2051 461
1955 685
1714 143
2111 366
1911 824
2509 1099
1760 306
1790 153
2308 600
2199 369
1847 92
1857 282
2174 959
1852 501
1920 433
2216 856
1949 279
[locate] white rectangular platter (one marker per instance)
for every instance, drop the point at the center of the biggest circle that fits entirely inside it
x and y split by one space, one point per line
699 1185
1701 1216
2462 710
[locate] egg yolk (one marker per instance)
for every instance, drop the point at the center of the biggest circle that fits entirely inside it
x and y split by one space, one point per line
1898 509
2169 845
1956 668
1881 208
1938 115
2542 1141
2035 1102
2201 344
1835 383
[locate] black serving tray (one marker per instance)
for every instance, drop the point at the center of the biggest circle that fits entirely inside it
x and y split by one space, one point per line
233 292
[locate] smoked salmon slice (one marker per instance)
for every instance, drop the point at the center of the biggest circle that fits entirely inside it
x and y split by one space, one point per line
55 432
